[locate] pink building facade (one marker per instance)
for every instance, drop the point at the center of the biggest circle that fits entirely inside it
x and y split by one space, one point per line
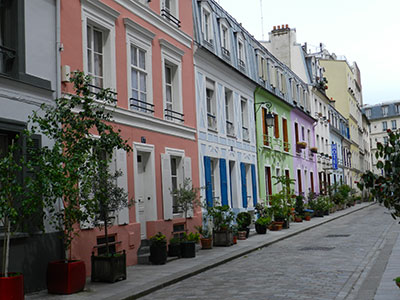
144 52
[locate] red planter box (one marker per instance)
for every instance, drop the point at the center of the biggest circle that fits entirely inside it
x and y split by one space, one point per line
12 288
66 278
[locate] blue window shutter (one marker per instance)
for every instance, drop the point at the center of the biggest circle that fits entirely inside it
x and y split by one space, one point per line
207 171
224 182
254 181
244 188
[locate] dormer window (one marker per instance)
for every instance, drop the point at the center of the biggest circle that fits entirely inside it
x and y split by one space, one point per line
241 52
207 25
385 110
225 45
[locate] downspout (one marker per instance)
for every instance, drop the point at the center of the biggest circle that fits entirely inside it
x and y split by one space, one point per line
59 48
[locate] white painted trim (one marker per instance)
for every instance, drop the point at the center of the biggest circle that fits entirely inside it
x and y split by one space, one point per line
175 152
167 46
97 14
146 122
156 20
137 29
101 7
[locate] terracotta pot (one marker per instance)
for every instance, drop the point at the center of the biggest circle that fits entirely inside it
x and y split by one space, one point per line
307 218
206 243
242 235
234 239
276 226
12 287
66 277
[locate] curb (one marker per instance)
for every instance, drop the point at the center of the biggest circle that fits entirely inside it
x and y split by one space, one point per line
242 252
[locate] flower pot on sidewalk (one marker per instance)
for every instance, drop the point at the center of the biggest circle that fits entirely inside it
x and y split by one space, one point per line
66 277
12 287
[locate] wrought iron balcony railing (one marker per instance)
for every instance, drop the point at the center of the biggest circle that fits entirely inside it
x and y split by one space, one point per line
96 89
140 105
165 13
173 115
230 129
211 121
245 134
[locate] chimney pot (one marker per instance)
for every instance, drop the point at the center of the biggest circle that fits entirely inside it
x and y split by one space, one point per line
279 27
283 26
274 27
287 26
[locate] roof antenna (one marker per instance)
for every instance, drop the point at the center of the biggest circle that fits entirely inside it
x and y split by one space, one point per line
262 21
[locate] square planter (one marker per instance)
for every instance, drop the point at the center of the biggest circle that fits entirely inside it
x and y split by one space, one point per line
158 254
12 287
188 249
66 277
223 238
174 250
108 269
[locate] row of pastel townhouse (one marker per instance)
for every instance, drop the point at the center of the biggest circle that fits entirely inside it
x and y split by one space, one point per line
194 92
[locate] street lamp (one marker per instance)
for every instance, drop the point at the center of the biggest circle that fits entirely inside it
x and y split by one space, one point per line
269 117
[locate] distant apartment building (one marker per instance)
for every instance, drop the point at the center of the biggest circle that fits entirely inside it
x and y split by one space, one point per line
382 117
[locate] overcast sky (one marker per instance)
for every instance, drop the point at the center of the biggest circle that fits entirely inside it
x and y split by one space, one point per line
365 31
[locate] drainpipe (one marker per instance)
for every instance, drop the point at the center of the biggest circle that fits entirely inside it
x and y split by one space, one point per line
59 48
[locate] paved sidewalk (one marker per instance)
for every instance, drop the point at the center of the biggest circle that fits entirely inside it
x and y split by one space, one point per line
143 279
387 289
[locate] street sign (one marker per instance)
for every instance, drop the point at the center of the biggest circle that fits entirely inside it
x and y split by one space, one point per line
334 156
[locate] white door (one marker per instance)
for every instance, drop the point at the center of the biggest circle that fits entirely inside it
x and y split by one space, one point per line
143 190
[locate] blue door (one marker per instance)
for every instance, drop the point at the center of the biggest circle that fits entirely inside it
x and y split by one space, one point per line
253 179
224 182
244 187
207 171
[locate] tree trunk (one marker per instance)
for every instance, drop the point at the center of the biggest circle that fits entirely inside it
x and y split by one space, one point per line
6 248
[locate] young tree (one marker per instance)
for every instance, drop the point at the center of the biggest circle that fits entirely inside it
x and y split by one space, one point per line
79 126
20 197
386 187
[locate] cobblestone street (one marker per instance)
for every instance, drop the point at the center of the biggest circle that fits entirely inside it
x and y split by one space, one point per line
328 262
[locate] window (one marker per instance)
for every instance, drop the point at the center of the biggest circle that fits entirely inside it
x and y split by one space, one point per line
138 77
230 127
397 108
99 44
245 119
225 40
296 132
241 52
294 90
214 180
8 36
265 127
211 105
368 113
175 163
385 140
262 68
276 126
139 45
95 56
312 181
302 134
394 125
268 181
207 29
169 10
385 110
285 135
384 125
171 59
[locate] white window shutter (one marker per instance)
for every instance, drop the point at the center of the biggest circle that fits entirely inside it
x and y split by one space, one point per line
89 223
187 173
273 76
264 68
284 88
166 186
122 181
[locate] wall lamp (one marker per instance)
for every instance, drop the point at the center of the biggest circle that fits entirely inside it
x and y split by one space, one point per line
269 117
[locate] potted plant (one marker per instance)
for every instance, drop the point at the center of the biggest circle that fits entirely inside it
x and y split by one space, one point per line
205 237
243 220
301 145
158 249
307 216
188 244
20 201
70 166
174 247
107 198
221 218
262 224
314 149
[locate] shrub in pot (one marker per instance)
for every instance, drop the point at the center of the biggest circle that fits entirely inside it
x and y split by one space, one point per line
262 224
205 237
221 218
188 245
158 249
20 204
243 220
174 247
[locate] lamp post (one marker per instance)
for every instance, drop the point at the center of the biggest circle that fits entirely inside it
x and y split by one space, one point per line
269 117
